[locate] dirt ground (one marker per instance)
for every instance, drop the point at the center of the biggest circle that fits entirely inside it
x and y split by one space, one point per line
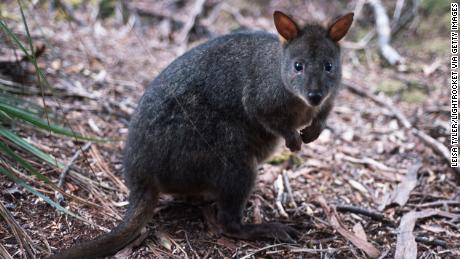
100 68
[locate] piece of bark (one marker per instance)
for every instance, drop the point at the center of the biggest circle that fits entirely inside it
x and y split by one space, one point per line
336 223
257 215
183 36
436 145
359 231
382 26
406 247
401 194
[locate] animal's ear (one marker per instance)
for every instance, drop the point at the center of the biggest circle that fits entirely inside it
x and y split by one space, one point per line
285 26
340 26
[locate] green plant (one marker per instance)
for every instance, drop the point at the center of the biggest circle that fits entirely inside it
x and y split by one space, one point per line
24 114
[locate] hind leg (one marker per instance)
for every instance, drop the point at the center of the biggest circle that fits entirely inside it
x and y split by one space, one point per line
231 202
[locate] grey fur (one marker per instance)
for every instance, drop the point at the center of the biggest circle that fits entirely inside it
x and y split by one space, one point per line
206 122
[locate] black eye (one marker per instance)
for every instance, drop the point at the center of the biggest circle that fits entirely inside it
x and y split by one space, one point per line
298 66
328 66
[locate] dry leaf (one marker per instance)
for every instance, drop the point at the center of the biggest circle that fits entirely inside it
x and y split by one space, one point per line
402 192
359 231
72 187
406 247
358 186
257 215
227 243
164 240
335 222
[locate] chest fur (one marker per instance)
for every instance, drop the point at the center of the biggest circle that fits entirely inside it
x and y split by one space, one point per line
302 115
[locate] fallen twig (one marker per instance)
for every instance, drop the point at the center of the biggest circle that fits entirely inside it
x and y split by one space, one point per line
359 90
336 223
143 9
431 241
401 194
361 44
406 247
438 203
24 240
313 251
279 188
11 83
67 8
428 140
182 37
435 145
105 168
371 162
235 12
65 171
190 246
366 212
260 250
397 11
257 215
4 253
287 185
406 16
13 58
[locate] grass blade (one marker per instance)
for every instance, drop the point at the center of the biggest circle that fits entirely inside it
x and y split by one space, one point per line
13 36
4 117
34 120
37 193
41 78
4 253
6 150
30 148
21 103
21 235
29 38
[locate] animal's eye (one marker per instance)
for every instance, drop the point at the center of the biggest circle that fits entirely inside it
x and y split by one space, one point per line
298 66
328 66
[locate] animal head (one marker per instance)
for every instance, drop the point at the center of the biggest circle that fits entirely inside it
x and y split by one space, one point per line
310 65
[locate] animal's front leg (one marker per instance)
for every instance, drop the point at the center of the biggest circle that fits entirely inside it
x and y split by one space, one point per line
283 127
312 132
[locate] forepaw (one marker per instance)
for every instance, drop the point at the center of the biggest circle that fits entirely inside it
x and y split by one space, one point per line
310 134
294 142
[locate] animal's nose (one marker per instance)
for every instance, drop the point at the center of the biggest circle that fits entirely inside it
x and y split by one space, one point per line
315 98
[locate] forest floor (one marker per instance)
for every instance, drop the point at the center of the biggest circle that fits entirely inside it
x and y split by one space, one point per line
361 165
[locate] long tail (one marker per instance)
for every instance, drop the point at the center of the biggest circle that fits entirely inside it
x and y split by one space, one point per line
139 213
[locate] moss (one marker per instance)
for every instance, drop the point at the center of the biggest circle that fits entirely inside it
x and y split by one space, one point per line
441 21
414 96
436 6
295 160
438 46
279 158
283 157
6 15
75 3
390 87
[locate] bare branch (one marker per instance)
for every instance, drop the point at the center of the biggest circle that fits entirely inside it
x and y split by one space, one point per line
382 25
182 37
427 139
